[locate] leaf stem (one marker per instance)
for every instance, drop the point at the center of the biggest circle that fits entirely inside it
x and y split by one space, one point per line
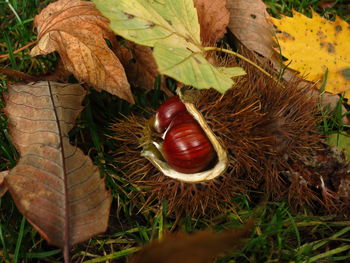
241 57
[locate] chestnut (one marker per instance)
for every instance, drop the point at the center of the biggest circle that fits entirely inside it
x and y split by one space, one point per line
190 151
187 149
167 111
182 117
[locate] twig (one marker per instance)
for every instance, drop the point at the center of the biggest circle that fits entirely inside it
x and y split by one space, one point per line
20 49
243 58
18 74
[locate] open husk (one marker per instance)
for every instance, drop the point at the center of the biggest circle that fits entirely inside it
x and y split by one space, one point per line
154 155
273 148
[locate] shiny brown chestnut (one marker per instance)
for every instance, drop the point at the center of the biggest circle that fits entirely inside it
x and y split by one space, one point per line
190 151
167 111
187 149
182 117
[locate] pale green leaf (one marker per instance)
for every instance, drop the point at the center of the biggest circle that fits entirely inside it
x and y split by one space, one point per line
172 28
189 67
342 142
232 71
148 21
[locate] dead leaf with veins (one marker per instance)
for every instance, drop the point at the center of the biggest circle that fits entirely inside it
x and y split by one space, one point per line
213 18
54 184
77 31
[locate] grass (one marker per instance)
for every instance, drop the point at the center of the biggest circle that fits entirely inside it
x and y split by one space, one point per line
280 235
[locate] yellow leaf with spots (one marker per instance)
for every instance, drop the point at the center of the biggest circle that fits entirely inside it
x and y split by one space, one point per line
315 45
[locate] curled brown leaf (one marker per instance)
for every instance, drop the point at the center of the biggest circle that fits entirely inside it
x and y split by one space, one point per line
77 31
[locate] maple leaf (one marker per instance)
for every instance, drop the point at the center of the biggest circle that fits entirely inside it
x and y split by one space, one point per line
316 45
77 31
213 18
172 29
54 184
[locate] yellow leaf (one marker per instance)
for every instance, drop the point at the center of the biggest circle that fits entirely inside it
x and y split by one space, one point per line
315 45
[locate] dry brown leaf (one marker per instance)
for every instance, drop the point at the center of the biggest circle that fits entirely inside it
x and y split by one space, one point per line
248 22
3 188
213 18
54 185
202 247
77 31
139 64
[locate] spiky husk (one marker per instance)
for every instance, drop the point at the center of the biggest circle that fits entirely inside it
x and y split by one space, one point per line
270 133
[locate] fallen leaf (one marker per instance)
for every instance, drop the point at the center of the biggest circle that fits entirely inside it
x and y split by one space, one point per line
54 185
315 45
172 29
202 247
3 188
213 18
248 22
139 64
77 31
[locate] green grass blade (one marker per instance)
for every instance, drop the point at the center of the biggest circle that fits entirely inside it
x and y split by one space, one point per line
115 255
45 254
328 253
19 240
4 246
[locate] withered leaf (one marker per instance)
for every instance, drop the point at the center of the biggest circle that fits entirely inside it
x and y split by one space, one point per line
139 64
248 22
202 247
3 188
54 185
314 46
77 31
213 18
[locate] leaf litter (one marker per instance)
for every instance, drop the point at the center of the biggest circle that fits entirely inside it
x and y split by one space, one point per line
86 55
